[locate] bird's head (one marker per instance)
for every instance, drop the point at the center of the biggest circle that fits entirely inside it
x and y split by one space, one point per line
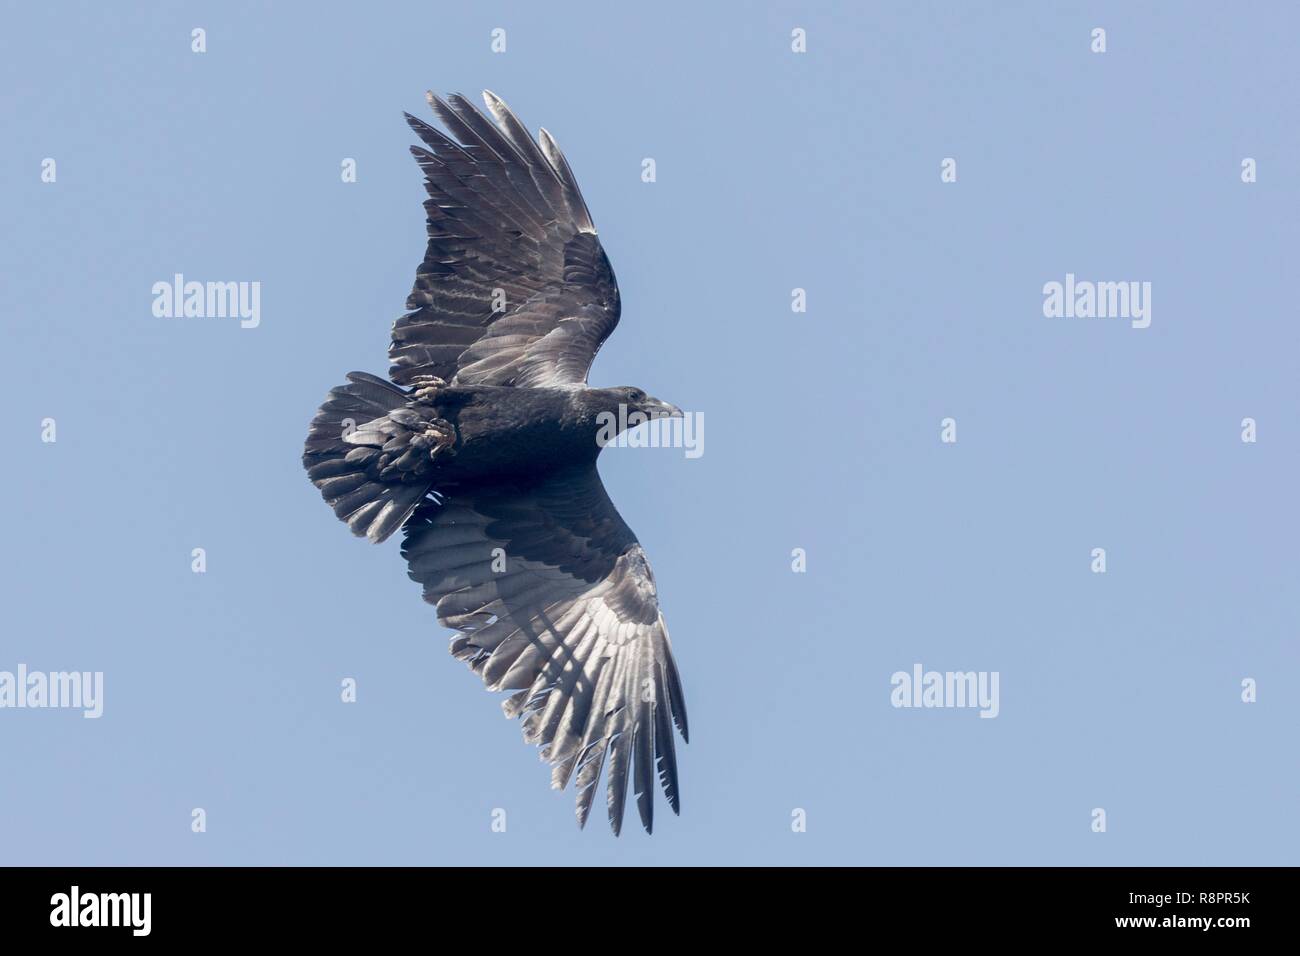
636 400
626 407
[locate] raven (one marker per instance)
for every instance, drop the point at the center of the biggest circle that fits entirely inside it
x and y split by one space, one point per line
483 450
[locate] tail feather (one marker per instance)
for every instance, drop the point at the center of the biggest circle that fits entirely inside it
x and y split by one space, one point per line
347 472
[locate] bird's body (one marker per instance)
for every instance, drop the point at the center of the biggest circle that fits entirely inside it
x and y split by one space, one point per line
483 450
491 431
520 431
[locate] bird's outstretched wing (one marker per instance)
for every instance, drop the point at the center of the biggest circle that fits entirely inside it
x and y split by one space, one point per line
515 288
556 602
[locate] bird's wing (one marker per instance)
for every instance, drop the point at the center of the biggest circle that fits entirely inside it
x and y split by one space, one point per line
555 600
515 288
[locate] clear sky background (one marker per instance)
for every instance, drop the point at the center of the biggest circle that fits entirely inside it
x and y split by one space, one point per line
775 170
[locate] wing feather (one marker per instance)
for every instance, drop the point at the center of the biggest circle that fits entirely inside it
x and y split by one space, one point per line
515 288
571 626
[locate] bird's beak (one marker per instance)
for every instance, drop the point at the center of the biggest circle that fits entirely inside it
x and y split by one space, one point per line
657 409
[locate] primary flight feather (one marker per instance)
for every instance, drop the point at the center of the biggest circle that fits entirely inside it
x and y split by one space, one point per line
483 448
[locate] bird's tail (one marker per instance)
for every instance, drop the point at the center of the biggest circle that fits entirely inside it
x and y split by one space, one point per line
346 471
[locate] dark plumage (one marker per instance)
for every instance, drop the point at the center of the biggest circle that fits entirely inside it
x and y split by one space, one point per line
484 452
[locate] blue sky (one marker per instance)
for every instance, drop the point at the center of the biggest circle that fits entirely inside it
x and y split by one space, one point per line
775 171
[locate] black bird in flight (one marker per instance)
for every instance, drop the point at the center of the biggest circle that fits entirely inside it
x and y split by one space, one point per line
483 450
